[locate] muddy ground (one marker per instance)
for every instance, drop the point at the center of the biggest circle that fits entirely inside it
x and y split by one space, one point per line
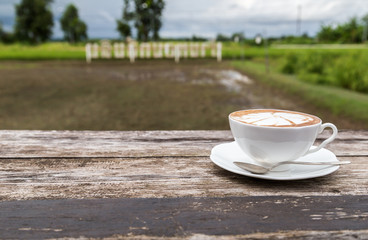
146 95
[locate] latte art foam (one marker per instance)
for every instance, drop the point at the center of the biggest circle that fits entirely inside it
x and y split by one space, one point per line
274 118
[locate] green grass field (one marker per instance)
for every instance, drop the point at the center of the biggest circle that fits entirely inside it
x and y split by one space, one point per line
47 51
62 50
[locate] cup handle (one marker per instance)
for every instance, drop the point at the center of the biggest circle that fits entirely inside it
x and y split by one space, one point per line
328 140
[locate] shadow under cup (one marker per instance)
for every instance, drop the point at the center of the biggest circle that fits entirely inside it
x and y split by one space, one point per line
270 145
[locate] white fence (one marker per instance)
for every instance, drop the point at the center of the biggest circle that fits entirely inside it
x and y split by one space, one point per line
133 50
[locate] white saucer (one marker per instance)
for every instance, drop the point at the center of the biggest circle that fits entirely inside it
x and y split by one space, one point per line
225 154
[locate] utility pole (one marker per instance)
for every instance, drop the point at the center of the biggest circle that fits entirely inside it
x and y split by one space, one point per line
242 46
265 42
299 20
365 29
259 38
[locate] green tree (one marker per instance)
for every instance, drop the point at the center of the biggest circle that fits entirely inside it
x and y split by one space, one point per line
143 19
349 32
365 28
328 34
74 29
123 24
222 38
2 33
146 17
5 37
123 28
34 21
157 8
238 35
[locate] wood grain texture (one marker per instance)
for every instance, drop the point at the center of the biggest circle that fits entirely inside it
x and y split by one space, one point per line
160 178
38 144
162 184
181 217
294 235
159 164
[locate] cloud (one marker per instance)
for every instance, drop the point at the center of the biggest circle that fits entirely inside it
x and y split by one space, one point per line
106 16
209 17
251 16
7 12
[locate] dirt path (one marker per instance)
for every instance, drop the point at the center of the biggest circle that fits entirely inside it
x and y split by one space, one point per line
117 95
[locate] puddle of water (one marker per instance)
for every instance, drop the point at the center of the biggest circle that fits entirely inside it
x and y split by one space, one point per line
232 75
231 79
203 81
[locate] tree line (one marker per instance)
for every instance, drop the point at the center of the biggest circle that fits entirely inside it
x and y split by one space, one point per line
353 31
34 22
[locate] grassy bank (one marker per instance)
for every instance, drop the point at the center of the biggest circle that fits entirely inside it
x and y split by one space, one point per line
339 102
63 50
238 51
46 51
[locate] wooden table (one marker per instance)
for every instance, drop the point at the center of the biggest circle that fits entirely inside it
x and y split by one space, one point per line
155 184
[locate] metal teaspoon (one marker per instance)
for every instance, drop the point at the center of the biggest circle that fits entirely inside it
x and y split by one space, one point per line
258 169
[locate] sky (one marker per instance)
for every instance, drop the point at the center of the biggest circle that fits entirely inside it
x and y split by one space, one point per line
207 18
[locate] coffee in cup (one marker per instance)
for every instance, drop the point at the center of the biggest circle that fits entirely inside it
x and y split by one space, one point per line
271 136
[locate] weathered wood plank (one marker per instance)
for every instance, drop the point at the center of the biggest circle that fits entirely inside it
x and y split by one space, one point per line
181 217
160 178
38 144
294 235
154 184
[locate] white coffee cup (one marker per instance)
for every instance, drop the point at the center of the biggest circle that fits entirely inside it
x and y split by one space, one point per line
269 143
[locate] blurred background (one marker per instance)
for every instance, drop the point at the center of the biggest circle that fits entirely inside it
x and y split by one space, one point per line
60 68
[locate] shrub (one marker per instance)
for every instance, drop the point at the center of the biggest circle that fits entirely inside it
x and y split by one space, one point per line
313 62
350 72
330 68
312 77
290 64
